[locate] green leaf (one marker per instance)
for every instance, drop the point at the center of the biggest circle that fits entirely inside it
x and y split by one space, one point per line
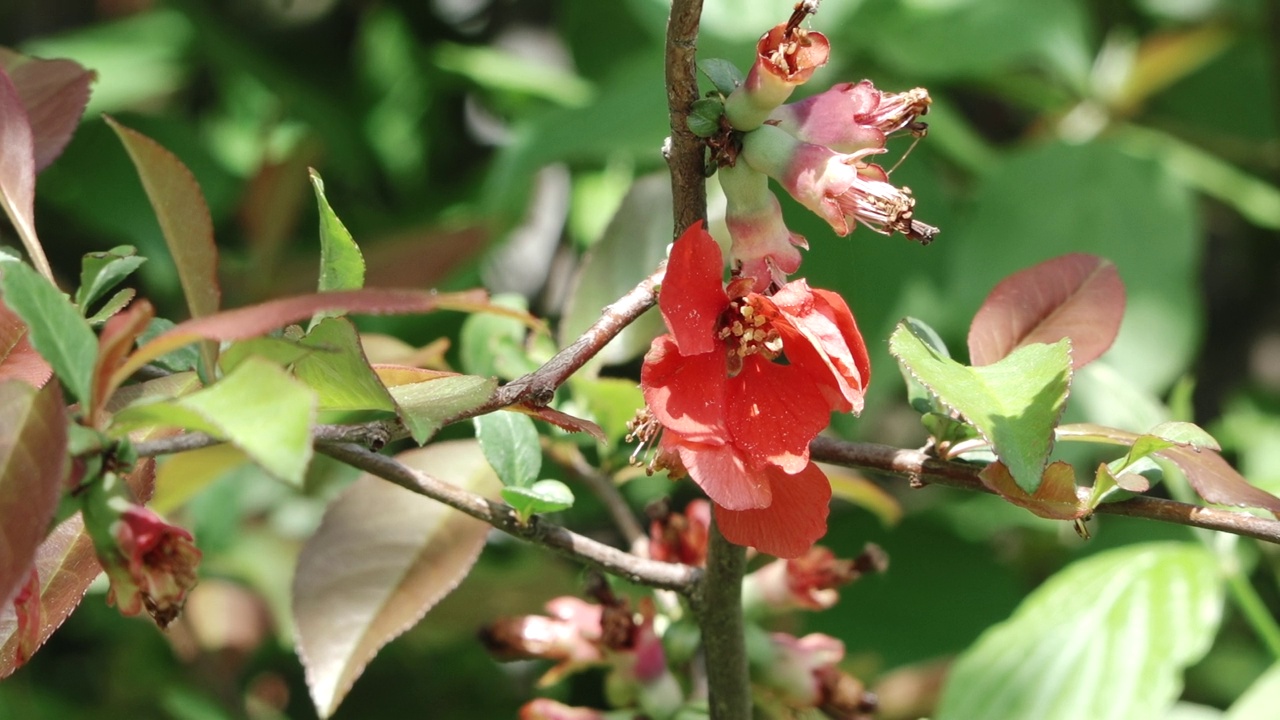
611 402
258 408
544 496
493 345
112 306
723 74
425 406
1015 404
101 271
1106 638
341 377
282 351
923 401
55 328
510 442
1260 700
341 264
181 359
704 117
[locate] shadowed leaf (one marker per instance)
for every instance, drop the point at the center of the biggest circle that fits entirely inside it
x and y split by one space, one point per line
1077 296
55 328
339 372
184 221
1105 639
382 558
114 345
1056 498
33 463
18 171
510 444
1015 403
55 93
67 564
18 360
101 271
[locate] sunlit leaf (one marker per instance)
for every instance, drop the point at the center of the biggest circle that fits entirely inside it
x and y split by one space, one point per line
544 496
380 560
562 420
184 221
1056 498
341 265
55 327
33 468
18 360
1015 403
1260 700
259 408
510 444
1075 296
1105 639
424 406
54 93
338 371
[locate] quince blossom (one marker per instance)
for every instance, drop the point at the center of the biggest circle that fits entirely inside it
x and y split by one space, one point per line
786 57
157 567
733 417
850 117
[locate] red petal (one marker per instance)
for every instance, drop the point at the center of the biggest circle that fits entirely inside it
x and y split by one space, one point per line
686 392
774 411
721 474
821 336
792 524
693 296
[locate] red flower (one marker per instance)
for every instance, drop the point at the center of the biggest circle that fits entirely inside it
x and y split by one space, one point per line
735 418
155 566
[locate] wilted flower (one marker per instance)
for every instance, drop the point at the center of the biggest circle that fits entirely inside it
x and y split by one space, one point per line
155 567
570 634
842 189
808 582
732 416
786 57
681 537
851 117
803 673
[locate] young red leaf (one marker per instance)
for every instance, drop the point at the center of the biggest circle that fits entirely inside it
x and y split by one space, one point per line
184 220
1216 481
33 463
114 344
380 560
67 564
54 93
1077 296
246 322
1057 497
18 360
18 171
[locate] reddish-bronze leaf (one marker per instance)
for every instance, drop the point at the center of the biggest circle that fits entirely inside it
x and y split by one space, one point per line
1216 481
18 360
1057 498
184 221
564 421
382 558
33 463
67 565
1077 296
18 171
255 320
54 93
114 344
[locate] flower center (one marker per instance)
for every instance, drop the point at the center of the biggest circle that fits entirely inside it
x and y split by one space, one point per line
748 331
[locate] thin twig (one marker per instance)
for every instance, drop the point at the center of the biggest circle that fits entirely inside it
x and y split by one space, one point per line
918 465
652 573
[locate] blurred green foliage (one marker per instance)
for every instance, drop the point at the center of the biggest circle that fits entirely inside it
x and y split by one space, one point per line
1145 131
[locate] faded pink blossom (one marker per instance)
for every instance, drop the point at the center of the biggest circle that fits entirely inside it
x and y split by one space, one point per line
786 57
764 249
851 117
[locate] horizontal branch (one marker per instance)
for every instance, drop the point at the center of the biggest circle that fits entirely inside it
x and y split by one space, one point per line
917 465
652 573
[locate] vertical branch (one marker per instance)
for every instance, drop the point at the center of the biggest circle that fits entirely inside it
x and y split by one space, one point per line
719 614
685 155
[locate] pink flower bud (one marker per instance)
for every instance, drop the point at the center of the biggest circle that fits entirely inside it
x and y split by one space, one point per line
798 666
851 117
842 189
762 244
547 709
786 56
